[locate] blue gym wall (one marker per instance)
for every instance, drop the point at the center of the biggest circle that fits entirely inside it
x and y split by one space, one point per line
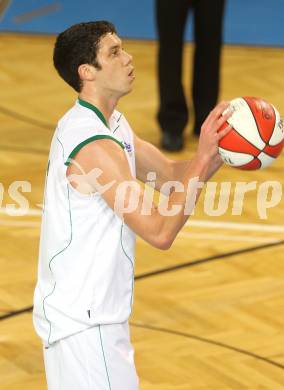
253 22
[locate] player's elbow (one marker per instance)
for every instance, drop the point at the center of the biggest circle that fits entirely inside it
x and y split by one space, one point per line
165 245
163 241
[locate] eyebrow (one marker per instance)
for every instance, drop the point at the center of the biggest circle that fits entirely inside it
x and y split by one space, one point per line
114 47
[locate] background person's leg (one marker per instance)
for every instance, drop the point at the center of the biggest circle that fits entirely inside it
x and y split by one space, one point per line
208 20
172 114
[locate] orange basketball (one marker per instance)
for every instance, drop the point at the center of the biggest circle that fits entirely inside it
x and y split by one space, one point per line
257 135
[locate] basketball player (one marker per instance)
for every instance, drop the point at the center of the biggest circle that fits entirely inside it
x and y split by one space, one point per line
84 293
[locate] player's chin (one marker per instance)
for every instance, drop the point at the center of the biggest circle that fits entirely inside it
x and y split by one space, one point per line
127 89
130 81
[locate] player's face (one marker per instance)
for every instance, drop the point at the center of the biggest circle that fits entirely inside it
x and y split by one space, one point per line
117 73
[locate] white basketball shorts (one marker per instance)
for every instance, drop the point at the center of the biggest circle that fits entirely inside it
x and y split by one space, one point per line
99 358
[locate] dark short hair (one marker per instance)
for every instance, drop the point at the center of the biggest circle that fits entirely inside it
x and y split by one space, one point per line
79 45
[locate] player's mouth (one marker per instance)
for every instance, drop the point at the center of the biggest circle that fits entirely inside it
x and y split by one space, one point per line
131 74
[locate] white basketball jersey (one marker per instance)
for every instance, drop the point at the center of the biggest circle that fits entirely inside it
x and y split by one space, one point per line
86 259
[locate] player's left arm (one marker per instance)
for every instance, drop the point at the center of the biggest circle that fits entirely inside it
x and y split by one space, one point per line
151 159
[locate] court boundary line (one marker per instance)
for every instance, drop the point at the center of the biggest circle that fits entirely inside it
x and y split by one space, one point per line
26 119
176 333
16 313
168 269
13 149
207 259
169 331
207 341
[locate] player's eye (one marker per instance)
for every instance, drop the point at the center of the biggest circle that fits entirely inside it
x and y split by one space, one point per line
115 52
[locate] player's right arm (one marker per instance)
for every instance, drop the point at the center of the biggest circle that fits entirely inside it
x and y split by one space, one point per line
107 157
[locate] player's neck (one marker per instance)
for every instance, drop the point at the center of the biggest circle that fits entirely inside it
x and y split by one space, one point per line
105 104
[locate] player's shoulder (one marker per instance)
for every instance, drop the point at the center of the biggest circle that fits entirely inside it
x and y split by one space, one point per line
75 115
79 117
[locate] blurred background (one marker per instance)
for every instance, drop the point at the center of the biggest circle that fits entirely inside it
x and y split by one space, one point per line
246 22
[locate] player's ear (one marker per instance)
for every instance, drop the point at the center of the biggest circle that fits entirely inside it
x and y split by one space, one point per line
87 72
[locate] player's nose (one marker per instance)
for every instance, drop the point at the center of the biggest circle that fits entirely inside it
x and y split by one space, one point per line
128 58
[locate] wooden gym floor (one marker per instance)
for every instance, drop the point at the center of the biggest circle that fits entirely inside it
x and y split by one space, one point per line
208 313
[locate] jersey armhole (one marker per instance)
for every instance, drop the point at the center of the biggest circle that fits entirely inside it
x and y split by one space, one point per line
87 141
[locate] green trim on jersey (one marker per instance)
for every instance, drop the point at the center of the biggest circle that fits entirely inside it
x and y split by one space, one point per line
87 141
58 253
95 109
45 185
131 262
104 357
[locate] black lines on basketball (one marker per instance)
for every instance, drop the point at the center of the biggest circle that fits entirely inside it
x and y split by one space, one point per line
247 140
246 99
273 150
264 118
274 121
252 165
254 150
266 152
253 127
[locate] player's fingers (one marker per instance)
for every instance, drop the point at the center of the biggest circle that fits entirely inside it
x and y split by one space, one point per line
223 118
211 115
228 113
219 109
216 113
224 132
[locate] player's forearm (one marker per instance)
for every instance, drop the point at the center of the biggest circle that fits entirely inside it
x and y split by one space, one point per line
182 201
181 167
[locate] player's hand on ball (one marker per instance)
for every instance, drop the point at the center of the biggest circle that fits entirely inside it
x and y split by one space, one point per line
209 135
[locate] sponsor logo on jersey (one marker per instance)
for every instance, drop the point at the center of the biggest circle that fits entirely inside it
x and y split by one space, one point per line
127 146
